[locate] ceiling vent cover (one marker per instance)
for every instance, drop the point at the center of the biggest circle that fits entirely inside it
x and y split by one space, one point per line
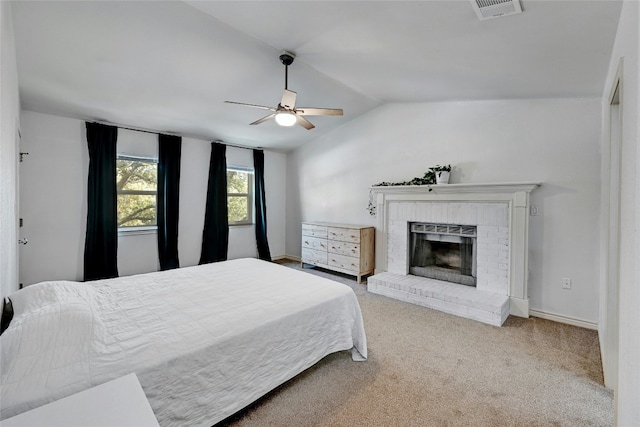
487 9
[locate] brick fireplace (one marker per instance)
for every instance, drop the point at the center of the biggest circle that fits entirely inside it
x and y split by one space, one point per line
498 214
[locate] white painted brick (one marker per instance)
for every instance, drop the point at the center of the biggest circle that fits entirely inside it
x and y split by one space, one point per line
468 214
436 213
491 215
502 217
491 253
471 303
393 210
425 212
501 273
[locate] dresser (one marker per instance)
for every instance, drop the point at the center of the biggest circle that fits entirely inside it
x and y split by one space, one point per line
345 248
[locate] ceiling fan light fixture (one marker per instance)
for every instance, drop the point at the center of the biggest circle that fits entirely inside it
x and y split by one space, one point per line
285 118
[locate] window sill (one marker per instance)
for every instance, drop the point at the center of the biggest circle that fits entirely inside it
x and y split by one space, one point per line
249 224
137 231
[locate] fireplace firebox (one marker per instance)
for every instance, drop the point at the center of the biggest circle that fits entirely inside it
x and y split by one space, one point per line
443 252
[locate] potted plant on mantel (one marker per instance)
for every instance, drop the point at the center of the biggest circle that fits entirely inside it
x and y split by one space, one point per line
442 173
438 175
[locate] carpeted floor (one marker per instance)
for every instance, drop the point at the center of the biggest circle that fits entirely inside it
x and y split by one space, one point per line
427 368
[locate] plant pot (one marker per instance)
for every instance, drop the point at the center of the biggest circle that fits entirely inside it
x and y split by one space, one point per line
442 177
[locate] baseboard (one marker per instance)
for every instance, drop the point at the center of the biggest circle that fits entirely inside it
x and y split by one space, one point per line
564 319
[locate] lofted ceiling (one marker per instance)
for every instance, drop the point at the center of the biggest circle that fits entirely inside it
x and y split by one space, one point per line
170 65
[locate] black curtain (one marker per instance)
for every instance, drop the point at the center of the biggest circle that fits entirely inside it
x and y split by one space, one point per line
169 149
215 236
101 242
261 206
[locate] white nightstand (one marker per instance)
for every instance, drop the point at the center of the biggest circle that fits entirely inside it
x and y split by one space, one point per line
120 402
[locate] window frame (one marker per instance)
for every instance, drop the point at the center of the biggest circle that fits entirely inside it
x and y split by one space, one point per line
139 229
249 195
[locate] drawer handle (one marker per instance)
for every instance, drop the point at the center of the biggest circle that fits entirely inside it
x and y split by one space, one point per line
306 243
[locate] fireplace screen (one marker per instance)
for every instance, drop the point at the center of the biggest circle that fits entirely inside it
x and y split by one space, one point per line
444 252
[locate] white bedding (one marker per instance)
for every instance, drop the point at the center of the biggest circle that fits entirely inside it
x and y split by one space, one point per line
204 341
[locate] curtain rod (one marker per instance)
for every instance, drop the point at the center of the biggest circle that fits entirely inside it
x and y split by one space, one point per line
245 147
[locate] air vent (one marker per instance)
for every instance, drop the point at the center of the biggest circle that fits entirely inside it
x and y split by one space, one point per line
487 9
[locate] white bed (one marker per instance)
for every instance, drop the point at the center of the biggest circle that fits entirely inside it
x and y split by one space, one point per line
204 341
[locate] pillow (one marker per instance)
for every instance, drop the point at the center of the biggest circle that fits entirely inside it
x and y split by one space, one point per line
49 349
36 297
7 314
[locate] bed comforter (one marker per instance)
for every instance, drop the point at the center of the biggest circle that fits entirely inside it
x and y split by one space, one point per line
205 341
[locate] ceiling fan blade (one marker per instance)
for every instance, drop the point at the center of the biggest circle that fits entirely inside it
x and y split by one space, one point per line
251 105
264 119
288 99
304 122
319 111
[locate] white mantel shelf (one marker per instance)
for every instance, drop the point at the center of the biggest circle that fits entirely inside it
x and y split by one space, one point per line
397 205
495 187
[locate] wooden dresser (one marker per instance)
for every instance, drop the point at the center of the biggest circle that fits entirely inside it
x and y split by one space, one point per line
345 248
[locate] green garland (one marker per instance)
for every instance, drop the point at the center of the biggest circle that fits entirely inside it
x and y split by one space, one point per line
428 179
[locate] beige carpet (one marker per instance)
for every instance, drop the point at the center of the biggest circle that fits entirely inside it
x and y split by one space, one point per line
428 368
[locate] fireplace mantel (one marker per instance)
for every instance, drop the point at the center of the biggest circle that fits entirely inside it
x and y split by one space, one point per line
395 204
479 188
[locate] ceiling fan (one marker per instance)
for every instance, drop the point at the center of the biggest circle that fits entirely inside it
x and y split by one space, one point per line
286 113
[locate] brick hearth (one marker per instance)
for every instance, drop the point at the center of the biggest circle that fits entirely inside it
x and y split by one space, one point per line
460 300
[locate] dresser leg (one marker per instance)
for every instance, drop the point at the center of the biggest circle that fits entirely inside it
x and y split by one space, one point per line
359 278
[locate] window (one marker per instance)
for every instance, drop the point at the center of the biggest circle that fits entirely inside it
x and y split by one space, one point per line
137 185
240 196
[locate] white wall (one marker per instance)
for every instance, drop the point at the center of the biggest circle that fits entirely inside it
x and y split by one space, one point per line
53 202
626 47
552 141
9 128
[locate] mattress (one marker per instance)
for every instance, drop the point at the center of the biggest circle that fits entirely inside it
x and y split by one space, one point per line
204 341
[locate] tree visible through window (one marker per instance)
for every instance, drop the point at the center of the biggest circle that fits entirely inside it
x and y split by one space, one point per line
137 185
240 196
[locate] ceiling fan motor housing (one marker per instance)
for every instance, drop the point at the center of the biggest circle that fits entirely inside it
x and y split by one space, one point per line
287 58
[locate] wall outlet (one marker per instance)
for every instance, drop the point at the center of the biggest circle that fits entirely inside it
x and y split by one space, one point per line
533 210
566 283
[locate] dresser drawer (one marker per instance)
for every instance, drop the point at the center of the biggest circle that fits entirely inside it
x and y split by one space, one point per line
314 230
315 243
344 234
345 262
314 257
344 248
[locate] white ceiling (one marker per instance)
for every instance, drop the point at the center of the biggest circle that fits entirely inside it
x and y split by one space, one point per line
170 65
